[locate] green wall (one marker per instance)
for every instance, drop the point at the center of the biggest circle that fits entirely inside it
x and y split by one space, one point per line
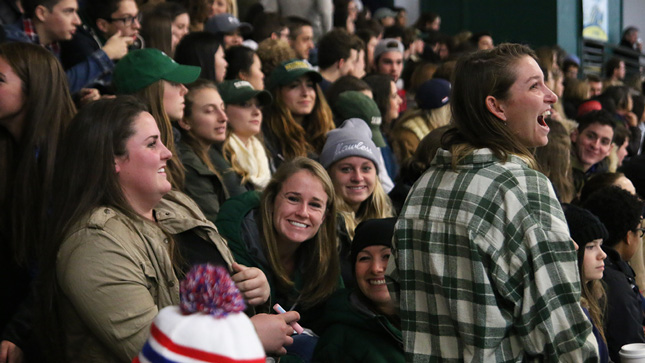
533 22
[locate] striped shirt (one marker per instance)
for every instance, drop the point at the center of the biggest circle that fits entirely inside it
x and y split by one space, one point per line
485 269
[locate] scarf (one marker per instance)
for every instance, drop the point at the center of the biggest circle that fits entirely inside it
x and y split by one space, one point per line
252 159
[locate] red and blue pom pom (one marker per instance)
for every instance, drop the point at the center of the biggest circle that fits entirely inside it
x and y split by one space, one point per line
209 289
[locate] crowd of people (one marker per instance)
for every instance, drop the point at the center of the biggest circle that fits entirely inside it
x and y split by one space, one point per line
395 193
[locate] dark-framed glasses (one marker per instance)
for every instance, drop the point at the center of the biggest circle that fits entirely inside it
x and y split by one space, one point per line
128 20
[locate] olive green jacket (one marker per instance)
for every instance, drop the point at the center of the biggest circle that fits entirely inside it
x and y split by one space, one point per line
115 274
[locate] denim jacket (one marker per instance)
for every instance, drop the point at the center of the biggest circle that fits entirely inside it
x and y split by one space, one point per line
83 74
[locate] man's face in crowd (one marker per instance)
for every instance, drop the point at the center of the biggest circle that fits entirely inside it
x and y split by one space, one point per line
595 88
125 19
390 63
304 42
592 144
61 21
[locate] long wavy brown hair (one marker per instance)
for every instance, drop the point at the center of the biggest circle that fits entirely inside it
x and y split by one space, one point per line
295 139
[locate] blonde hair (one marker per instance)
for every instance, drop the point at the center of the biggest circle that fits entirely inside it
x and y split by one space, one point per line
432 119
231 157
272 52
377 205
319 254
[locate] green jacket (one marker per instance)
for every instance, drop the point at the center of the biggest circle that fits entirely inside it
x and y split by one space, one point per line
203 185
232 225
237 223
351 332
231 180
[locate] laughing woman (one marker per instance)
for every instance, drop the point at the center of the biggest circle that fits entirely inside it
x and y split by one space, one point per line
159 82
482 240
119 236
113 257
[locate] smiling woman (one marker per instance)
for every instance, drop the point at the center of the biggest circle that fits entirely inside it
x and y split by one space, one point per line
481 204
351 159
113 222
289 233
361 325
159 81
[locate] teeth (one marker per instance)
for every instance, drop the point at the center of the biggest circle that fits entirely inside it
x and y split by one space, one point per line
356 188
546 113
162 170
301 225
377 282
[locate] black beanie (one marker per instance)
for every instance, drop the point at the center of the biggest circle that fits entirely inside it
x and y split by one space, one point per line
373 232
584 226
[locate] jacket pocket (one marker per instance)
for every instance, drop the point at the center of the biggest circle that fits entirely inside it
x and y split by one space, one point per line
152 280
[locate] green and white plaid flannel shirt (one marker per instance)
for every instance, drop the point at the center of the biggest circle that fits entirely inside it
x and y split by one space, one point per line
484 268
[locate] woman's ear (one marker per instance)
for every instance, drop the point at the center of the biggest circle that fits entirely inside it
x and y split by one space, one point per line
183 124
117 168
495 107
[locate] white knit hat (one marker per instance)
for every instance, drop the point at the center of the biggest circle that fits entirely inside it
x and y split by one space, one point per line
208 326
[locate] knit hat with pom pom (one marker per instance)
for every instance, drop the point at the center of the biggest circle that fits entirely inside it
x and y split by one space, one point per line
209 325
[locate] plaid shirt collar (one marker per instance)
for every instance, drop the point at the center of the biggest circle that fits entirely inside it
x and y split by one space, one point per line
30 31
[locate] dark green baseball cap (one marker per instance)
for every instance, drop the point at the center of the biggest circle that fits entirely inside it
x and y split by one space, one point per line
236 92
354 104
143 67
289 71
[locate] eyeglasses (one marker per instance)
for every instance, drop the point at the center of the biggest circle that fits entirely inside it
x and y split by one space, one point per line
128 20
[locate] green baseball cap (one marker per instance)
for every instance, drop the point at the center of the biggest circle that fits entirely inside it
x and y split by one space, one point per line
143 67
291 70
354 104
236 92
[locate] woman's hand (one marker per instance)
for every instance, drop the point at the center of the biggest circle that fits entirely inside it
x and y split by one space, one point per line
252 284
274 331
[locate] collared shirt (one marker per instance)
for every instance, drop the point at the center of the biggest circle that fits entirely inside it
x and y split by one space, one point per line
83 74
486 268
30 32
580 176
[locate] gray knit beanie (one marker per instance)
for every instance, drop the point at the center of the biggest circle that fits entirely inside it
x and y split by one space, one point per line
352 138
